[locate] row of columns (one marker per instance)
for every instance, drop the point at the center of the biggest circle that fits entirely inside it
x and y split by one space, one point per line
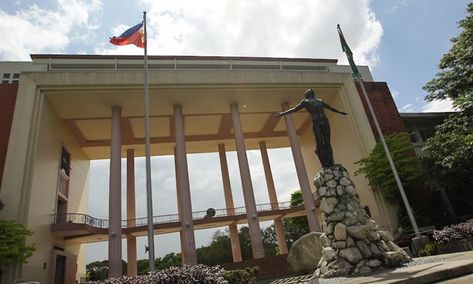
188 249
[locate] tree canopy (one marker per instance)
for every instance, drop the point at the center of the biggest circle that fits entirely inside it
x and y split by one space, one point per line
455 79
377 170
450 149
13 247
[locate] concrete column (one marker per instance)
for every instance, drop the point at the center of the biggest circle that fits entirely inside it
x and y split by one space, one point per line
273 198
132 269
227 190
183 192
115 209
179 207
248 195
309 204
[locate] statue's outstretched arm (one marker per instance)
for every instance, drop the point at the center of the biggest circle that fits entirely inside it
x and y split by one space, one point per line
327 106
298 107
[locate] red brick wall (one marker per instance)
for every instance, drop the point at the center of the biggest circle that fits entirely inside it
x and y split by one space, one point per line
7 107
384 108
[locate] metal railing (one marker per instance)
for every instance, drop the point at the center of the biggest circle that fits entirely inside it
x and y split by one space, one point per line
79 218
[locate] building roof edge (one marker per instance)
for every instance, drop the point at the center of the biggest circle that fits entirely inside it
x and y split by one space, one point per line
182 57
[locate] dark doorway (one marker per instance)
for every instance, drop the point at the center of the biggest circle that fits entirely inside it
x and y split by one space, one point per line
60 273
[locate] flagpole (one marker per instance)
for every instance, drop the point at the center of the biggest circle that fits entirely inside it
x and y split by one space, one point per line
380 133
390 159
149 195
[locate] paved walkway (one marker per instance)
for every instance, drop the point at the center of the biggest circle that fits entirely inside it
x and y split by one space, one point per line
456 268
433 269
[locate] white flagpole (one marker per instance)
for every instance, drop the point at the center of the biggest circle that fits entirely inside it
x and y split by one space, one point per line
390 159
358 76
149 194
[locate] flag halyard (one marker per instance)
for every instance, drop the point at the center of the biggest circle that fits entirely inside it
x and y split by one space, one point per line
134 35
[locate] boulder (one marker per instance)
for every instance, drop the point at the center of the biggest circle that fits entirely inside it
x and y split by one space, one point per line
395 258
358 232
372 225
305 253
345 181
365 250
339 245
328 204
386 236
337 216
329 253
337 268
340 232
353 255
322 191
374 263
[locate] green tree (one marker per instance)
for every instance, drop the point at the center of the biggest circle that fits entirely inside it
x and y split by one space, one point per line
218 251
376 166
455 79
142 266
295 227
450 149
13 247
98 270
170 259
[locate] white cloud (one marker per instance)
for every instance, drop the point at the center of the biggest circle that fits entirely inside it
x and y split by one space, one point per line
36 30
438 106
286 28
408 108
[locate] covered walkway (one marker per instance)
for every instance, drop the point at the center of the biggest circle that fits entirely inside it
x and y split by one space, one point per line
82 228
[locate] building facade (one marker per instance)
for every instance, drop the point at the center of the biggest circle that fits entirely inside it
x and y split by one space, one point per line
70 109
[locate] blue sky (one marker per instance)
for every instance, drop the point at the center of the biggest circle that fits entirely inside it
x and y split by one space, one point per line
402 41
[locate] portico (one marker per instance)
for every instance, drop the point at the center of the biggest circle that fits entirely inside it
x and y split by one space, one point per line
196 106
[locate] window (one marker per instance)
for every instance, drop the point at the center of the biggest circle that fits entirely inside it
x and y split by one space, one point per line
426 133
413 136
5 81
65 161
6 75
16 75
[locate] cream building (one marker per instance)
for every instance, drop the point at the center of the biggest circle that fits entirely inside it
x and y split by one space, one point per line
69 107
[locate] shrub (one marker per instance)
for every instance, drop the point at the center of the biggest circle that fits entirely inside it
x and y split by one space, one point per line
246 276
186 274
429 249
13 247
455 232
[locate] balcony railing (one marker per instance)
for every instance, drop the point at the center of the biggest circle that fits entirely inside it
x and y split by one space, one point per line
78 218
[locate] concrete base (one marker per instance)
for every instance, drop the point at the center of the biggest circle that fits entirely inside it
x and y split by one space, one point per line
452 268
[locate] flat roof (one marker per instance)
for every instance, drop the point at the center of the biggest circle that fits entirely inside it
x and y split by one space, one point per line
182 57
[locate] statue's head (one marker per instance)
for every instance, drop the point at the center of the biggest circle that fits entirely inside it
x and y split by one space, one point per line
309 93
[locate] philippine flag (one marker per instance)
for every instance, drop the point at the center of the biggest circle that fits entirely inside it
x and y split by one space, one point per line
134 35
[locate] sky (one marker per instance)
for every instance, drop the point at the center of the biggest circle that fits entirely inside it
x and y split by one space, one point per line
401 41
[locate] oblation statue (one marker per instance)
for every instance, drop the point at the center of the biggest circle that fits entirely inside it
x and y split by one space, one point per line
320 125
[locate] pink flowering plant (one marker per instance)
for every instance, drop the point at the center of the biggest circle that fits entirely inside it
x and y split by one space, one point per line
456 232
201 274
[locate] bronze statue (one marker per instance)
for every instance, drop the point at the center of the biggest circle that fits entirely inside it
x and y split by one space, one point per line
320 124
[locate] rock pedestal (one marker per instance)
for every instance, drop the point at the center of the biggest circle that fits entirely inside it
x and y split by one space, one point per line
351 242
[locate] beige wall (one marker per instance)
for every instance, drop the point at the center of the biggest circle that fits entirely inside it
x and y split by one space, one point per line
53 135
29 188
